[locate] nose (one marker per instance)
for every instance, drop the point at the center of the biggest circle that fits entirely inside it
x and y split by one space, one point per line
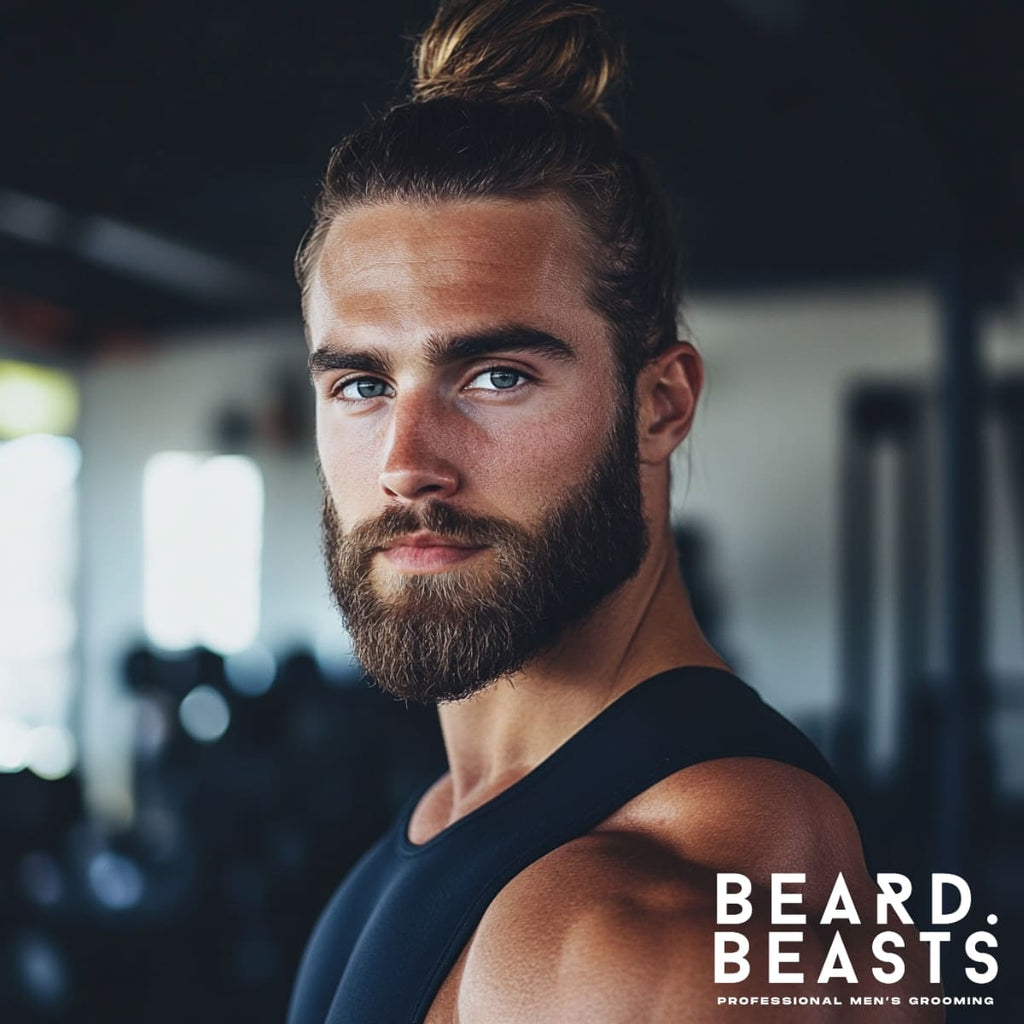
415 466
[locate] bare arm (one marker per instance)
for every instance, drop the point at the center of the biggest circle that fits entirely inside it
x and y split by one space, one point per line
620 926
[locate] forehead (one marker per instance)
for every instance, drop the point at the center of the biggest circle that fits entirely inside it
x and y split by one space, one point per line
417 269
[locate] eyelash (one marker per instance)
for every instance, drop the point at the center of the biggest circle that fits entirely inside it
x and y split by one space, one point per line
336 390
525 379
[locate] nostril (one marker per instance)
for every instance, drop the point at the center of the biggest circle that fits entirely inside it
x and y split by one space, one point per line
416 484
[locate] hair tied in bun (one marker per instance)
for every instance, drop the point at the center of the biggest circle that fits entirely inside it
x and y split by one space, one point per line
555 51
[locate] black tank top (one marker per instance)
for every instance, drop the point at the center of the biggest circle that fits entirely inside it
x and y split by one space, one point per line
394 929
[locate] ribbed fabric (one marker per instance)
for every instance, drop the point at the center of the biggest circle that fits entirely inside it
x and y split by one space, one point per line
394 929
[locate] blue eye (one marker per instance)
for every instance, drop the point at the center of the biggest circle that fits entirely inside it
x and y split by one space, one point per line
503 379
363 387
498 378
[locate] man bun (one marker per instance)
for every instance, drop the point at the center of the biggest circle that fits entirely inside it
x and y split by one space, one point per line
555 51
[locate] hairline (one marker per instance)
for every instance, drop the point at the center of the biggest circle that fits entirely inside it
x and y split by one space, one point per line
307 259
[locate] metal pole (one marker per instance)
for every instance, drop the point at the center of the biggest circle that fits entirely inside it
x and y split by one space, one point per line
964 779
857 584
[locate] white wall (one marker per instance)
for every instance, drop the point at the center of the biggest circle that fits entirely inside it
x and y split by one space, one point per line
764 467
762 470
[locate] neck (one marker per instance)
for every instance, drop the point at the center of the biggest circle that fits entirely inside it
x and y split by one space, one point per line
646 627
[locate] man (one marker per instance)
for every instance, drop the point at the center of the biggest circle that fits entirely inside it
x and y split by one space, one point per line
490 297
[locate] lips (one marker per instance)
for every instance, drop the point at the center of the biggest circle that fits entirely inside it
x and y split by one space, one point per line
428 552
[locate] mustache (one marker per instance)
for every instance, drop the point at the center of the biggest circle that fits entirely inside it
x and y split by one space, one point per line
437 517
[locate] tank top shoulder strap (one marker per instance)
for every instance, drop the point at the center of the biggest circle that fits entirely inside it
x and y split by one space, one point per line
405 914
673 720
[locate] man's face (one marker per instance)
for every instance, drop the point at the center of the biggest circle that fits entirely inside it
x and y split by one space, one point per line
478 460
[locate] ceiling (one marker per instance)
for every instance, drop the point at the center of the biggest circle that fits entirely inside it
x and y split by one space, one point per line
158 160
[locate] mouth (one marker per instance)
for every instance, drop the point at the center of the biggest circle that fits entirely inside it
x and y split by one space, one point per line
427 552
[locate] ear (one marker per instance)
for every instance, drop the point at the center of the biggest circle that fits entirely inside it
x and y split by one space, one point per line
667 392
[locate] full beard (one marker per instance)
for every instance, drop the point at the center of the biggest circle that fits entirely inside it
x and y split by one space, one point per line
436 637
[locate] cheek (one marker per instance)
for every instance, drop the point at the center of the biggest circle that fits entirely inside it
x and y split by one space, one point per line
535 460
346 464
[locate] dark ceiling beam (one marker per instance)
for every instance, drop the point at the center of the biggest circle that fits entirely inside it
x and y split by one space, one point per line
132 252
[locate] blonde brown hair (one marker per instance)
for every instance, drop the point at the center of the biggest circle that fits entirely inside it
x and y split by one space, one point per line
496 50
508 101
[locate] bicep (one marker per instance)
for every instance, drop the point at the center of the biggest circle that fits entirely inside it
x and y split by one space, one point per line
616 963
623 965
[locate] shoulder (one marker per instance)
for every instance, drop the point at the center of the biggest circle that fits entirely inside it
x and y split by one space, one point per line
580 927
619 925
752 815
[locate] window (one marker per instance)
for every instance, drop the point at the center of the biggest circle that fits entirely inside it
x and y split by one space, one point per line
38 624
203 534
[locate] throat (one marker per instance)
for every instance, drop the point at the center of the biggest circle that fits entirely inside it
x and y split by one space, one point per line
438 810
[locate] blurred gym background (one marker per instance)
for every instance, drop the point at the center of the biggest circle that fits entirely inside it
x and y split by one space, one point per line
189 760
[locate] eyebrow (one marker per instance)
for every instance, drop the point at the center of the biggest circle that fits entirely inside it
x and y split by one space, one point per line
450 349
365 360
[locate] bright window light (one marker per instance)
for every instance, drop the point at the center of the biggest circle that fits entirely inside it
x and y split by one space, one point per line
203 535
36 399
51 751
38 623
14 744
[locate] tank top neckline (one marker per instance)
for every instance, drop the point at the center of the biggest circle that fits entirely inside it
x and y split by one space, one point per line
537 774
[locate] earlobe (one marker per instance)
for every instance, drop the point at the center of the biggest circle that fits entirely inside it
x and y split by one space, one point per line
667 392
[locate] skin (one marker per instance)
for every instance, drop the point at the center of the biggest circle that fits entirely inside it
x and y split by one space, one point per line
616 926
